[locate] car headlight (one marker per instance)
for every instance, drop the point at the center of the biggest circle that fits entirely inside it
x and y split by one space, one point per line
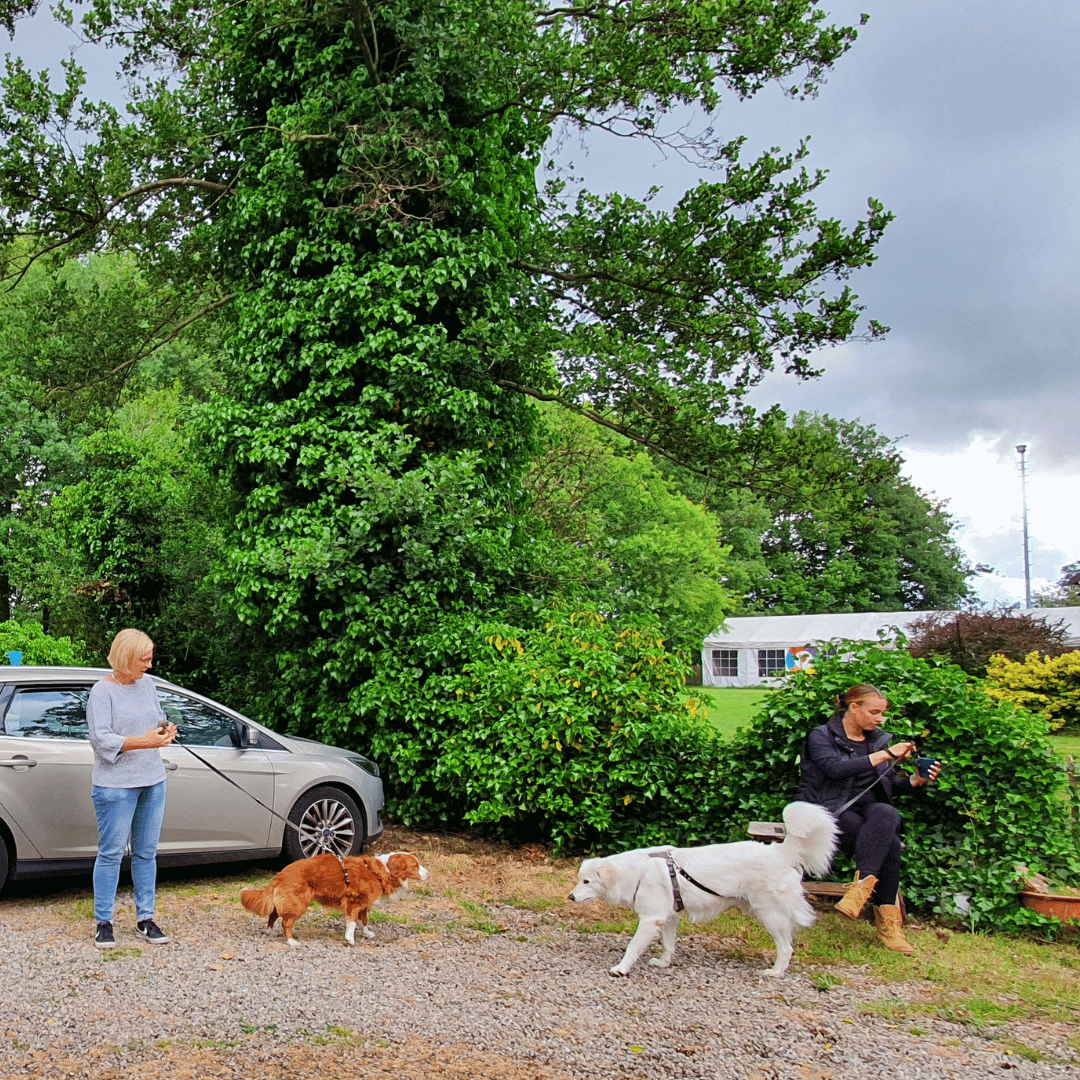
366 764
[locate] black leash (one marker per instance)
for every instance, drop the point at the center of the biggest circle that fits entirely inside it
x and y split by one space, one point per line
891 767
320 840
675 869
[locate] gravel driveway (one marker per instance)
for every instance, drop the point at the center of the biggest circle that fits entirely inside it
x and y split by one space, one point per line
451 987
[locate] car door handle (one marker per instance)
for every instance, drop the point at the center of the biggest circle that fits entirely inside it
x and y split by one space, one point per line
171 766
19 763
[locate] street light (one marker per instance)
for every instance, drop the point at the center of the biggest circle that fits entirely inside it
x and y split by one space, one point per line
1023 491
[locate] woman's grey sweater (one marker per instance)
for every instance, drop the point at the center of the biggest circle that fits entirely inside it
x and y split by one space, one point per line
113 713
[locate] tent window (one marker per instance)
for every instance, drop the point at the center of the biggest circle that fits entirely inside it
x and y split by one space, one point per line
725 662
770 662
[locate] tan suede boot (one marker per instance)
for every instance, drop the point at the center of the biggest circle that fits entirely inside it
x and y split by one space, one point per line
890 930
855 896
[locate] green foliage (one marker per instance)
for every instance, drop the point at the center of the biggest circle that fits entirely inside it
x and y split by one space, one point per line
999 800
1049 685
577 731
133 542
623 540
352 191
39 647
820 519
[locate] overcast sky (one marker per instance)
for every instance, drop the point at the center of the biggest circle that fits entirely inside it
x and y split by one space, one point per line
962 118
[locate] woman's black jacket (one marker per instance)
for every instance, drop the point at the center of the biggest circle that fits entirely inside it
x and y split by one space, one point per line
833 770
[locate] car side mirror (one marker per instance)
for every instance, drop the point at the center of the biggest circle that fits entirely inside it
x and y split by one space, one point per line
245 735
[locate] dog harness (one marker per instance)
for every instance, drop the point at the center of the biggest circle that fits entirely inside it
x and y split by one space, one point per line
675 871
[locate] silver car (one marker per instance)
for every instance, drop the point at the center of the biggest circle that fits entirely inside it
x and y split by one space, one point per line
47 823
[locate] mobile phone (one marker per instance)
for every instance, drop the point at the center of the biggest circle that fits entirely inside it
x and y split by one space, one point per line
924 765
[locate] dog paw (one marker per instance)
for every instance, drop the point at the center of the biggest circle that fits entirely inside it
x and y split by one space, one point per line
659 961
772 973
618 972
291 942
368 933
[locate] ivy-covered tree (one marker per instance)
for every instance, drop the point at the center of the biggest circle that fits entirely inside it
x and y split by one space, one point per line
351 190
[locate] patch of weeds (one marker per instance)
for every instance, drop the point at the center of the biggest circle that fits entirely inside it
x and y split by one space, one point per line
382 916
80 910
1032 1053
109 955
533 903
336 1036
481 919
917 1031
978 1014
252 1029
896 1011
823 981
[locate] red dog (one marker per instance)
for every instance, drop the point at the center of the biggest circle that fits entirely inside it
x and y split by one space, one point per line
370 879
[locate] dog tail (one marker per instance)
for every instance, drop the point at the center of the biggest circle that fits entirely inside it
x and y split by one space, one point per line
258 901
811 837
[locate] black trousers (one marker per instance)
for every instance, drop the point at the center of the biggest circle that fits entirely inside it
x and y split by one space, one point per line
871 833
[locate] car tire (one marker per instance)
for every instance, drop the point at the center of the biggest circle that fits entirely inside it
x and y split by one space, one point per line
5 862
329 819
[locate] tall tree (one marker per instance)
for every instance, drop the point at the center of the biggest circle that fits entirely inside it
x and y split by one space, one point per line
820 518
352 188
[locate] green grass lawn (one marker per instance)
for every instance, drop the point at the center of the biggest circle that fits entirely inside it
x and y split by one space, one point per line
730 708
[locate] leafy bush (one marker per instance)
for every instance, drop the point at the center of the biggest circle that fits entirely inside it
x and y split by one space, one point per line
969 638
1000 799
1049 685
571 729
38 647
580 732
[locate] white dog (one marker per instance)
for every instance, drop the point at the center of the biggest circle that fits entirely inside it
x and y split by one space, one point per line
763 880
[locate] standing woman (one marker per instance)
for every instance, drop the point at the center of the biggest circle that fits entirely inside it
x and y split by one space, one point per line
850 756
127 730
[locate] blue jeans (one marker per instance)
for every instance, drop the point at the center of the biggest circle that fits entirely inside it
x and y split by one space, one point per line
123 812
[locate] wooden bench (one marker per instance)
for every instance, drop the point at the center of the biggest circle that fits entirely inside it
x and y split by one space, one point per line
771 832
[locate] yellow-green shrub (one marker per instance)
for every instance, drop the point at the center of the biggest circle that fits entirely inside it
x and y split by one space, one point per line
1044 684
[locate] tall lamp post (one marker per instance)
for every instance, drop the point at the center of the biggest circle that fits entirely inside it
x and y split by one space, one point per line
1023 491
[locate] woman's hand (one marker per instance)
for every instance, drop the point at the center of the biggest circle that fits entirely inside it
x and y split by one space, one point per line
158 736
892 753
153 738
918 781
165 733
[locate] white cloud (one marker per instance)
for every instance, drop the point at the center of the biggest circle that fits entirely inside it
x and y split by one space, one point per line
981 482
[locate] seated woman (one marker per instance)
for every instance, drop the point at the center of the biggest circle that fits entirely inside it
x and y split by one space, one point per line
848 758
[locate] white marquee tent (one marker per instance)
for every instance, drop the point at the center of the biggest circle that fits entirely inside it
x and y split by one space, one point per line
755 650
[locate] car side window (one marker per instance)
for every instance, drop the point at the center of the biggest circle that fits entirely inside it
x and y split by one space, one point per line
55 713
199 724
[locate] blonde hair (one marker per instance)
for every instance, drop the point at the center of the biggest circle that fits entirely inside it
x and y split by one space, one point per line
127 647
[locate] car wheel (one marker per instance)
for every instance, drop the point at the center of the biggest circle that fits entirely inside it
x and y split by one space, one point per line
5 864
329 820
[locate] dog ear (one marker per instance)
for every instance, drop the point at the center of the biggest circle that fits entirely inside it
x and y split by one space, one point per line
607 874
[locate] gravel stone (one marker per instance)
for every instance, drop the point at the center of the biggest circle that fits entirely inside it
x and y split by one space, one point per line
431 997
